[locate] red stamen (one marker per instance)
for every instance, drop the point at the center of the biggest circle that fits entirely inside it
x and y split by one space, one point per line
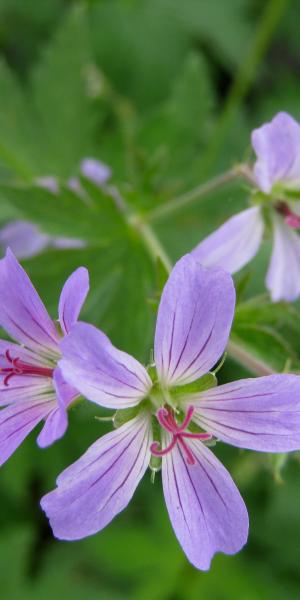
167 420
18 367
188 453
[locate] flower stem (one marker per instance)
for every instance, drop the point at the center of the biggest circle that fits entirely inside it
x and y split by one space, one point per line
189 197
245 358
152 243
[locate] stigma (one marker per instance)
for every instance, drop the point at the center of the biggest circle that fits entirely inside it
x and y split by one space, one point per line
166 419
17 367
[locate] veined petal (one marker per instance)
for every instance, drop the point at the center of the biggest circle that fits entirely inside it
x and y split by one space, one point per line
283 277
93 490
193 322
57 420
233 244
23 315
72 298
100 371
24 239
19 419
277 146
259 414
206 510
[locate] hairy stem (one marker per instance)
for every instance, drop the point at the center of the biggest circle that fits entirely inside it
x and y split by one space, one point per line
245 358
192 195
152 243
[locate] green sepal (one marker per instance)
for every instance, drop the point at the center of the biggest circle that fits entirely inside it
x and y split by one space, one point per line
200 385
276 464
155 463
124 415
258 197
152 373
292 195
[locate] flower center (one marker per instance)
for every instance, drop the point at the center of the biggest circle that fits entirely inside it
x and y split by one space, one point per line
166 419
18 367
290 218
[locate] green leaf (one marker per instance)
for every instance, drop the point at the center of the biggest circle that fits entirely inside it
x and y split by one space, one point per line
65 214
17 126
124 415
178 131
200 385
60 97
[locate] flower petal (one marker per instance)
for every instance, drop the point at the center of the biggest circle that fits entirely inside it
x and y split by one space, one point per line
99 371
283 277
93 490
233 244
277 146
24 238
23 315
193 322
18 420
72 298
57 420
259 414
207 513
95 170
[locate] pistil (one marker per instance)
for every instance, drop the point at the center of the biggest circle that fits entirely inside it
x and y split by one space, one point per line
18 367
166 419
291 219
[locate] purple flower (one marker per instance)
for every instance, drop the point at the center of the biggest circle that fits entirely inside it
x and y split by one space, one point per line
24 239
32 388
95 170
170 417
277 175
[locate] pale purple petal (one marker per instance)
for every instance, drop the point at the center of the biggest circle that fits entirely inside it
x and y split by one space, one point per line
72 298
193 323
19 419
96 171
48 182
23 238
233 244
277 146
100 371
57 420
23 315
259 414
207 513
283 277
93 490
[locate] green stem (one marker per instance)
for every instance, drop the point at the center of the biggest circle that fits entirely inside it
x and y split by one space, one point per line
192 195
245 358
269 21
152 243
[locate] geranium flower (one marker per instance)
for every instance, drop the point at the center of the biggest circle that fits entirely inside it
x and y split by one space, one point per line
32 387
172 416
276 174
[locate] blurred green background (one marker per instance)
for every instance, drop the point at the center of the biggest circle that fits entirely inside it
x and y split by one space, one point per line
166 92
